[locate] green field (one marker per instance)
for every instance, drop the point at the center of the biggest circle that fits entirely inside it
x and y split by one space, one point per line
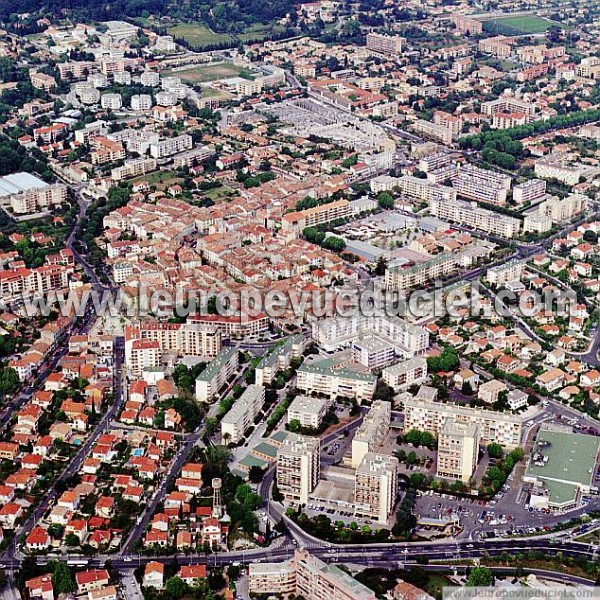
198 35
518 25
205 73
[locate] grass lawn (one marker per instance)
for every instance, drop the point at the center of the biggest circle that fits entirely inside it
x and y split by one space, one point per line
205 73
161 179
518 25
198 35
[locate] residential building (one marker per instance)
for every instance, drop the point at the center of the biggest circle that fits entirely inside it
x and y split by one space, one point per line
509 271
407 373
376 487
242 413
426 415
170 146
298 467
458 450
216 374
386 44
308 411
372 432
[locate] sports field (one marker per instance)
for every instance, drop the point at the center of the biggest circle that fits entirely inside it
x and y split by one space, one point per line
205 73
518 25
198 35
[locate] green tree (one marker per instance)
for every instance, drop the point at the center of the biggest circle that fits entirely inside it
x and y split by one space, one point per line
495 450
479 577
62 580
176 587
385 200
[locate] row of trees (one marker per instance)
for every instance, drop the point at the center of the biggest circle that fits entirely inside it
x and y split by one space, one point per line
331 242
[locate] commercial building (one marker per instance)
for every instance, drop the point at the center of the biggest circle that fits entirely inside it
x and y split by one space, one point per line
561 468
471 215
323 377
216 374
298 467
308 411
170 146
372 431
307 576
376 487
458 450
386 44
404 374
497 427
242 413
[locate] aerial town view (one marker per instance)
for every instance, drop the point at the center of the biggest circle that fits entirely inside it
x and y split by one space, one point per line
299 300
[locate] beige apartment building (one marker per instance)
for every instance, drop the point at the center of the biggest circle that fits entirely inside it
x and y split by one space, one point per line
422 189
458 450
376 487
509 271
497 427
401 278
297 221
34 199
372 431
298 467
308 411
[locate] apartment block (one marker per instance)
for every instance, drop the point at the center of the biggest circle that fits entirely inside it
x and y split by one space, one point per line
308 411
279 359
141 102
563 209
319 377
499 46
242 413
42 81
297 221
193 157
339 332
216 374
497 427
433 130
111 101
306 576
376 487
373 352
471 215
529 191
482 185
134 167
422 189
404 374
458 450
141 355
386 44
507 104
434 161
560 166
298 467
32 200
402 278
372 431
170 146
467 26
509 271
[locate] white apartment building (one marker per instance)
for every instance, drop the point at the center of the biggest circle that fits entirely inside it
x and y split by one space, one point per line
386 44
564 209
141 102
434 161
471 215
529 191
298 467
216 374
372 431
517 399
507 104
373 352
89 96
318 378
405 374
279 359
170 146
426 415
111 101
272 578
560 166
141 355
194 156
383 183
122 77
166 99
150 79
482 185
308 411
458 450
242 414
335 333
376 487
509 271
422 189
248 87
